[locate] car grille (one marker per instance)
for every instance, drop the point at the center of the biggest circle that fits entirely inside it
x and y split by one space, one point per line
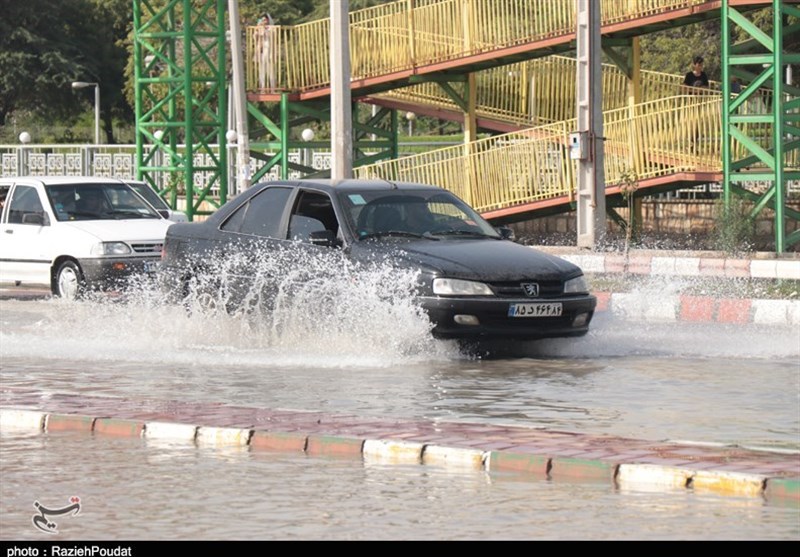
149 248
547 288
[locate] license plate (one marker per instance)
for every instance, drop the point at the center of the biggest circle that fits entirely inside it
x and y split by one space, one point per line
535 310
151 266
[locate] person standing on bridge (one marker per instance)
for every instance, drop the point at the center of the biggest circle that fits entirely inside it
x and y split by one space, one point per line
695 82
697 78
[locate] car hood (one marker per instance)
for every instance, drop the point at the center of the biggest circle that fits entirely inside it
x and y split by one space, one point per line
478 259
120 230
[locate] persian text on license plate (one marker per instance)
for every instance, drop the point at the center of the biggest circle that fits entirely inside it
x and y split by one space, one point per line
534 310
151 266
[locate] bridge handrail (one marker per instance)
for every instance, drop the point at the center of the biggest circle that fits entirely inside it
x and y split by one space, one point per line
656 138
411 33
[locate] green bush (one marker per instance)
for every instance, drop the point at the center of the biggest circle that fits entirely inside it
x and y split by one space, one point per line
734 228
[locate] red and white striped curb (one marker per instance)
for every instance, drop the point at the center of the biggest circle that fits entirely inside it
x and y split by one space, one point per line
632 475
650 307
680 265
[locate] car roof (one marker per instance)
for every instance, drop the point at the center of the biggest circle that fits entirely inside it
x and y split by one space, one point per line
354 185
68 180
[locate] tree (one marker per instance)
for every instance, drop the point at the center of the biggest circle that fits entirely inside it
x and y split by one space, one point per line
40 54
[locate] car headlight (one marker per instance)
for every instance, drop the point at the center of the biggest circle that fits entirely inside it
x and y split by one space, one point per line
458 287
111 248
576 285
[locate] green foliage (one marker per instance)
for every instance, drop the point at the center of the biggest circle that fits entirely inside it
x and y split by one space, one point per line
734 229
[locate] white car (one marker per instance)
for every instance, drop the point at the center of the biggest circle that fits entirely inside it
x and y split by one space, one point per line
71 234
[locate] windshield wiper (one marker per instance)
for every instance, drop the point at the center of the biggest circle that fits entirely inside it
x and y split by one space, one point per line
128 214
464 233
427 235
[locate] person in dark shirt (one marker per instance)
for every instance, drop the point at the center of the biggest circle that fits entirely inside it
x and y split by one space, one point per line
697 77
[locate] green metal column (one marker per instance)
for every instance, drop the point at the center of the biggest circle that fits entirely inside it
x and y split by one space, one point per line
180 91
292 117
761 135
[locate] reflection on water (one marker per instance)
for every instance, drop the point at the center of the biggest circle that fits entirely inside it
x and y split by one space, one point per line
132 490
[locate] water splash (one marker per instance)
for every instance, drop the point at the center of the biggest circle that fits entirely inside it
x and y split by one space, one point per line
296 309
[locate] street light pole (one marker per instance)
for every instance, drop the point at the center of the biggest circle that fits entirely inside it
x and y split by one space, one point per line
83 85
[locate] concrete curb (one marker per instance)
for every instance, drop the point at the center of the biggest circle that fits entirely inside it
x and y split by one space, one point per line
644 306
683 264
625 468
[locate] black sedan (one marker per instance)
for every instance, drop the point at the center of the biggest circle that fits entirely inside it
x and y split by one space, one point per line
472 280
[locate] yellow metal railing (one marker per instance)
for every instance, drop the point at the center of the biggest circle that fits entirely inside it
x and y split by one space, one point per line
410 33
541 91
657 138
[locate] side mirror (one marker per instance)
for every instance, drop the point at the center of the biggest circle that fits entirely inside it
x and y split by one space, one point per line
506 233
35 218
164 213
325 238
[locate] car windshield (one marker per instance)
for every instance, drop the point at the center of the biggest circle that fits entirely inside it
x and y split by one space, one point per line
95 201
150 196
433 214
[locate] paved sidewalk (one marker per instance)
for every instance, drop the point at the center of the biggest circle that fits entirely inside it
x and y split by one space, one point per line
538 453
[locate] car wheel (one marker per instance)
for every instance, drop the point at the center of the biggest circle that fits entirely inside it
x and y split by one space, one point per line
202 296
69 283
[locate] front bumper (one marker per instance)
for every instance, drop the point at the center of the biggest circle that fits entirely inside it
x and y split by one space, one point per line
115 272
494 322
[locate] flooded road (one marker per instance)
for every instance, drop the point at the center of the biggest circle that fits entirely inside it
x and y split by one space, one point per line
702 383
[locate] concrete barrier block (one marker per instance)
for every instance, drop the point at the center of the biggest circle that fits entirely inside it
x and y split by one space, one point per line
222 436
734 311
787 270
581 469
763 268
170 431
627 306
456 457
687 266
590 263
729 483
645 307
783 489
124 428
379 450
603 301
770 312
652 475
21 420
663 266
524 463
793 312
698 309
660 309
327 445
284 442
737 268
68 422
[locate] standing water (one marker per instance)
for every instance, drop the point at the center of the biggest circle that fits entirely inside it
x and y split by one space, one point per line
368 353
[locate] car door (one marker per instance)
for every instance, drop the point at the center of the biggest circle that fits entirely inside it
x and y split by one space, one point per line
26 235
250 238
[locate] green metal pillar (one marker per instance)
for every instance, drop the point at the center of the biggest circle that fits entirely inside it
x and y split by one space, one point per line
761 135
181 101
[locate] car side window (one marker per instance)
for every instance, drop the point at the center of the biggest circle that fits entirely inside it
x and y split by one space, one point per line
264 213
3 195
24 204
313 212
